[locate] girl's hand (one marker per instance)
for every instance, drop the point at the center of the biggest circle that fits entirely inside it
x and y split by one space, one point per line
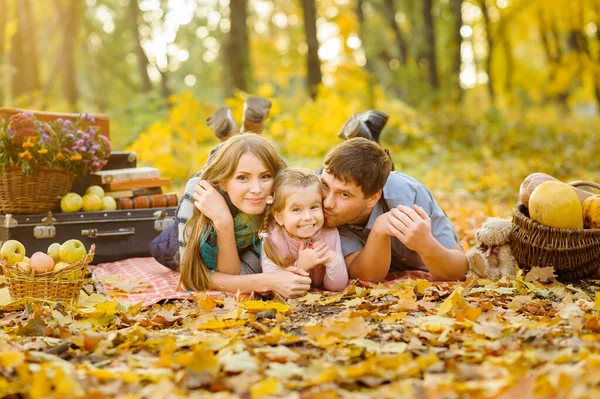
330 257
289 285
296 270
308 258
212 204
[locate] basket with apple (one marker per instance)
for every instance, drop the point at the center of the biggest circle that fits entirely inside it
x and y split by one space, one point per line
57 274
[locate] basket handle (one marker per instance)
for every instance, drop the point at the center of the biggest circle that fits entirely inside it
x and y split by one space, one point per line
579 183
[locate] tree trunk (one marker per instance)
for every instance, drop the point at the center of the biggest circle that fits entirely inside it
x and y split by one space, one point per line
236 49
24 52
71 91
490 46
390 16
4 81
429 31
456 9
509 62
140 55
368 65
313 76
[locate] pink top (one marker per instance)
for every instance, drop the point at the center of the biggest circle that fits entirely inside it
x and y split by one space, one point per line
333 276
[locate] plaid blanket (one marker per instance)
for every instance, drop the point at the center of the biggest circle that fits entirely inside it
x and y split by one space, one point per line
156 282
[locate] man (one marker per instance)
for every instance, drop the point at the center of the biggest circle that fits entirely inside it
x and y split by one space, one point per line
388 221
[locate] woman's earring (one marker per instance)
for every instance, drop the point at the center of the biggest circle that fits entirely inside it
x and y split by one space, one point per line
269 200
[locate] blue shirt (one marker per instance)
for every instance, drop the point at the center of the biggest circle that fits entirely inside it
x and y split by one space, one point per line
401 189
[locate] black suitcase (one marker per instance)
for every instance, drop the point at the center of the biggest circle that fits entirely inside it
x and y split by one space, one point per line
117 234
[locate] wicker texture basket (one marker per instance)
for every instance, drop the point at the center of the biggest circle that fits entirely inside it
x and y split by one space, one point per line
54 285
33 194
574 253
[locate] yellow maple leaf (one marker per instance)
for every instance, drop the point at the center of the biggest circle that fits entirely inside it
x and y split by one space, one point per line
259 306
450 303
270 386
11 359
205 302
219 325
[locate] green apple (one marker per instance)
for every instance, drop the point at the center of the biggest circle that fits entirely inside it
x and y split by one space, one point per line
91 203
69 276
72 251
54 251
12 251
96 190
71 202
109 203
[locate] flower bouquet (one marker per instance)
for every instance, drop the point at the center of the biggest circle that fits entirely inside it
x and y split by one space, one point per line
39 161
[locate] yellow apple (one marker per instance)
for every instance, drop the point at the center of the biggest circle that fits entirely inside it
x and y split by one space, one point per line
109 203
54 251
41 262
91 203
25 259
24 266
69 276
96 190
12 251
72 251
71 202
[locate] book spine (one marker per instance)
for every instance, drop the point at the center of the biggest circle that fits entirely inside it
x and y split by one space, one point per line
148 201
122 175
138 183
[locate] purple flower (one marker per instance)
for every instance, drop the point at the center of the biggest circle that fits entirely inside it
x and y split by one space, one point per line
82 148
45 137
95 147
70 136
79 142
91 131
85 136
10 132
68 123
96 165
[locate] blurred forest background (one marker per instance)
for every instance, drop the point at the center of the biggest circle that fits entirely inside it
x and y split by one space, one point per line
480 93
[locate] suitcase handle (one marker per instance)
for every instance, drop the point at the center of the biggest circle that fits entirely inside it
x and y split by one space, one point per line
93 233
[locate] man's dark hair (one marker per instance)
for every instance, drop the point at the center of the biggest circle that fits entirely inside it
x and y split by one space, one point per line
360 161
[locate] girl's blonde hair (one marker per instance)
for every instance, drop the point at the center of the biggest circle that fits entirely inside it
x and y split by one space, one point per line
193 271
284 180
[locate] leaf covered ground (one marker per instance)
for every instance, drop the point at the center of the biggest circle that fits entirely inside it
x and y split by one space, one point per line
522 338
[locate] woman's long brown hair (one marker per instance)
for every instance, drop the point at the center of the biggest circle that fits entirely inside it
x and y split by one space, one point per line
284 180
193 272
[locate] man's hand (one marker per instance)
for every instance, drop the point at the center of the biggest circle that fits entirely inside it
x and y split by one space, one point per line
308 258
212 204
414 230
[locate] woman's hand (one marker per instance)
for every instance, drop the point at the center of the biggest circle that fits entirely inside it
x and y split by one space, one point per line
308 258
212 204
288 284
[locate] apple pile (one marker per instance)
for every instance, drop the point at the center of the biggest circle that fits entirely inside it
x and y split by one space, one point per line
94 200
57 257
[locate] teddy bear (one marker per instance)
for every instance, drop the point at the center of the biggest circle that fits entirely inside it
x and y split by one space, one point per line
491 257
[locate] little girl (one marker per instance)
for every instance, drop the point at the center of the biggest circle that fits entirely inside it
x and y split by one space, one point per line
293 234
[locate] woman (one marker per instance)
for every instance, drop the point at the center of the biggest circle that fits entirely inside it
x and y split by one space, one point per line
229 201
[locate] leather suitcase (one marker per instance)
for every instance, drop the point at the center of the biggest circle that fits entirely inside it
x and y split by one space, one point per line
119 234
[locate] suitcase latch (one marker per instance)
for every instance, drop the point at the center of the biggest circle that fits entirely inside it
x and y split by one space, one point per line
162 222
9 221
40 232
47 230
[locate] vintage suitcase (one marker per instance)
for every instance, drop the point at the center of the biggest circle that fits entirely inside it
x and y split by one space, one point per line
117 234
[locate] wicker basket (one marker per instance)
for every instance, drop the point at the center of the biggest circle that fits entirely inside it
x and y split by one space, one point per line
574 253
55 286
33 194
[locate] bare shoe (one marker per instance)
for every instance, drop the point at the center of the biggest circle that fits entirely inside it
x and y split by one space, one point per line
256 112
375 121
222 124
355 127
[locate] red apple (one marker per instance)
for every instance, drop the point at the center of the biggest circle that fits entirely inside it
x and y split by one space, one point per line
41 262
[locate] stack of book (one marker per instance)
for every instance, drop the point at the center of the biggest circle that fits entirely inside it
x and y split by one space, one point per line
135 188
